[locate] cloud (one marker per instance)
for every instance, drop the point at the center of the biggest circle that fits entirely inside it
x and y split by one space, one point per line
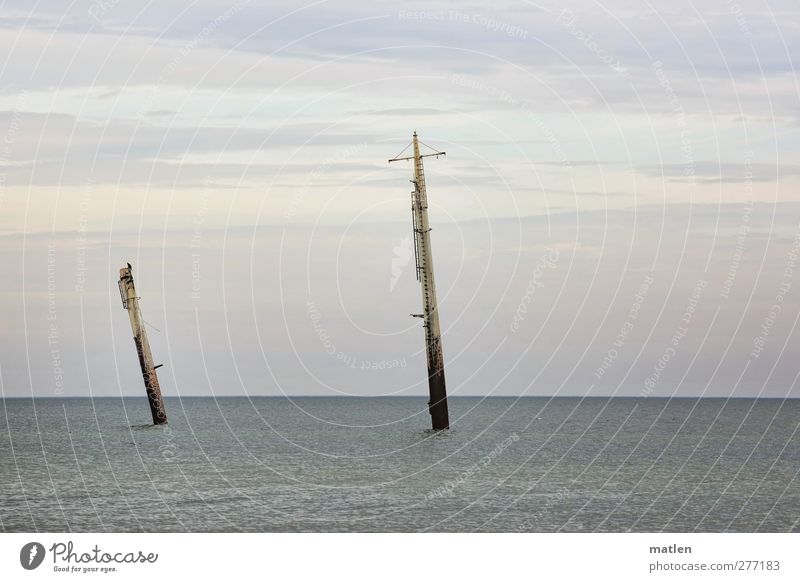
722 172
591 193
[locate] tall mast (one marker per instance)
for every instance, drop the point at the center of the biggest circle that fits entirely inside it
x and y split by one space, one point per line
130 301
437 405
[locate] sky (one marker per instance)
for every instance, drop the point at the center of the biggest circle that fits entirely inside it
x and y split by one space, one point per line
617 212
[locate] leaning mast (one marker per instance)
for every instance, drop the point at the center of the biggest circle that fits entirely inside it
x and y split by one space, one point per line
130 301
437 405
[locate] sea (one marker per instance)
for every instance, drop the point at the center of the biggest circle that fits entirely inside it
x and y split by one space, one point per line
343 464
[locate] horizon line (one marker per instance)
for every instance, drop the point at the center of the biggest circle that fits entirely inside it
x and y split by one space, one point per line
286 396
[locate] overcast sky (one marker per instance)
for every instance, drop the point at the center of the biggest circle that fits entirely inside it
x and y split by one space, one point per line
617 213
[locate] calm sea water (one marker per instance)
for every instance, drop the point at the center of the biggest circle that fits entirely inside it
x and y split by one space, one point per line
350 464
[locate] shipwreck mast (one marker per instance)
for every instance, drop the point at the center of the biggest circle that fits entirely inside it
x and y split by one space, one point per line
130 301
437 405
